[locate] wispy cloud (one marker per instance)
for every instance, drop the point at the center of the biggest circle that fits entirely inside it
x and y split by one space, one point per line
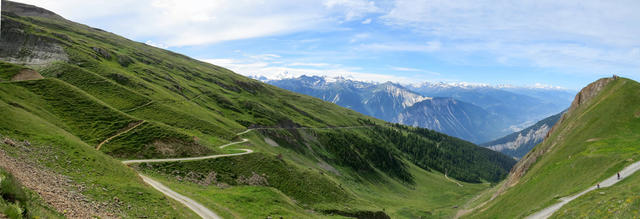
430 46
310 64
159 45
571 39
395 68
201 22
250 67
585 36
352 9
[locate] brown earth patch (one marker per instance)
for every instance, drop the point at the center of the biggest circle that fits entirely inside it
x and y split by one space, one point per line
637 114
593 139
271 142
26 74
164 148
177 147
57 190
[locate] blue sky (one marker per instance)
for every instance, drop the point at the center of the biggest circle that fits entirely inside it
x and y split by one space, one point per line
526 43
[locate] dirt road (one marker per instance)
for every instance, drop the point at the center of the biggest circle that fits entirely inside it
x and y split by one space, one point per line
547 212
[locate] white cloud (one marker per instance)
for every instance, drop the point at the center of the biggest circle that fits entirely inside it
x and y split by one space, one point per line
309 64
159 45
352 9
251 67
395 68
359 37
366 21
608 21
201 22
585 36
430 46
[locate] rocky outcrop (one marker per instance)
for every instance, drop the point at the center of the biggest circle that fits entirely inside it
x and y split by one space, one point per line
520 143
589 92
523 138
17 45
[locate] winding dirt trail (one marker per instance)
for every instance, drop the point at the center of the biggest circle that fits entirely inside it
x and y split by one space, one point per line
198 208
547 212
445 176
118 134
246 151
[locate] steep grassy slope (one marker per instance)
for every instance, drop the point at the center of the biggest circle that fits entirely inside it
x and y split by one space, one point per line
598 136
99 85
101 177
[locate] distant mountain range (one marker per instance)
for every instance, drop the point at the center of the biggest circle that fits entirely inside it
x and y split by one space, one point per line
476 113
520 143
517 106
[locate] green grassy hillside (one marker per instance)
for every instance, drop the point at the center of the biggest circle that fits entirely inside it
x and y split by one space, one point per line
598 136
181 107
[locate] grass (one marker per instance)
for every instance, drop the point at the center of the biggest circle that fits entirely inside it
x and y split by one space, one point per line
432 196
621 200
103 176
8 70
573 160
304 186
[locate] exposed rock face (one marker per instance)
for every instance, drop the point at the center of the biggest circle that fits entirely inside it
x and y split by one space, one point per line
21 47
589 92
534 135
520 143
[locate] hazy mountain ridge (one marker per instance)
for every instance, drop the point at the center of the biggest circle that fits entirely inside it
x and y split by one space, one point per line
519 106
519 143
456 118
474 112
395 103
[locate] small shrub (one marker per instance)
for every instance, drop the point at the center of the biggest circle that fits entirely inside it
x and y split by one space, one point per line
14 211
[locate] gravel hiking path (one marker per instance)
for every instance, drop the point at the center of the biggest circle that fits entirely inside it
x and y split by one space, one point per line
198 208
120 133
201 210
547 212
246 151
